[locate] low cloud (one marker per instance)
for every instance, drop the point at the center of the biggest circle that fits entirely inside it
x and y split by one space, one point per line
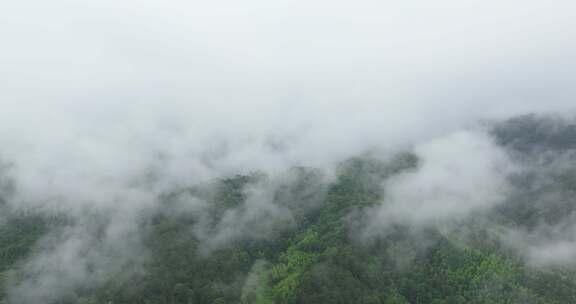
107 107
458 175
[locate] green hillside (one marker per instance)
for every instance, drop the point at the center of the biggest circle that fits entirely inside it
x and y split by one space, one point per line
319 254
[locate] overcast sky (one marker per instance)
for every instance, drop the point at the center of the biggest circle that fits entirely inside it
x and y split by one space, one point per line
200 53
318 80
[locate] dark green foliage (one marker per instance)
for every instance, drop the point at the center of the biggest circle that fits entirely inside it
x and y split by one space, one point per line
531 133
321 258
17 238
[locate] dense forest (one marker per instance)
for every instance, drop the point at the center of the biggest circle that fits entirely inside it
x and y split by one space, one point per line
308 244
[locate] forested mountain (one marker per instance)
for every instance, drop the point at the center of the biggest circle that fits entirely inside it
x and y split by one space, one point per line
302 237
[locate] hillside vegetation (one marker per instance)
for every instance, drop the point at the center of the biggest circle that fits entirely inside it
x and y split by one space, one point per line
321 254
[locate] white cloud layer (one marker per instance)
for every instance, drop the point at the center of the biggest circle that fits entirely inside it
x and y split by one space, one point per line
105 104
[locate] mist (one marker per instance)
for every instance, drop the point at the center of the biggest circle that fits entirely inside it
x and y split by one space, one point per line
107 106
